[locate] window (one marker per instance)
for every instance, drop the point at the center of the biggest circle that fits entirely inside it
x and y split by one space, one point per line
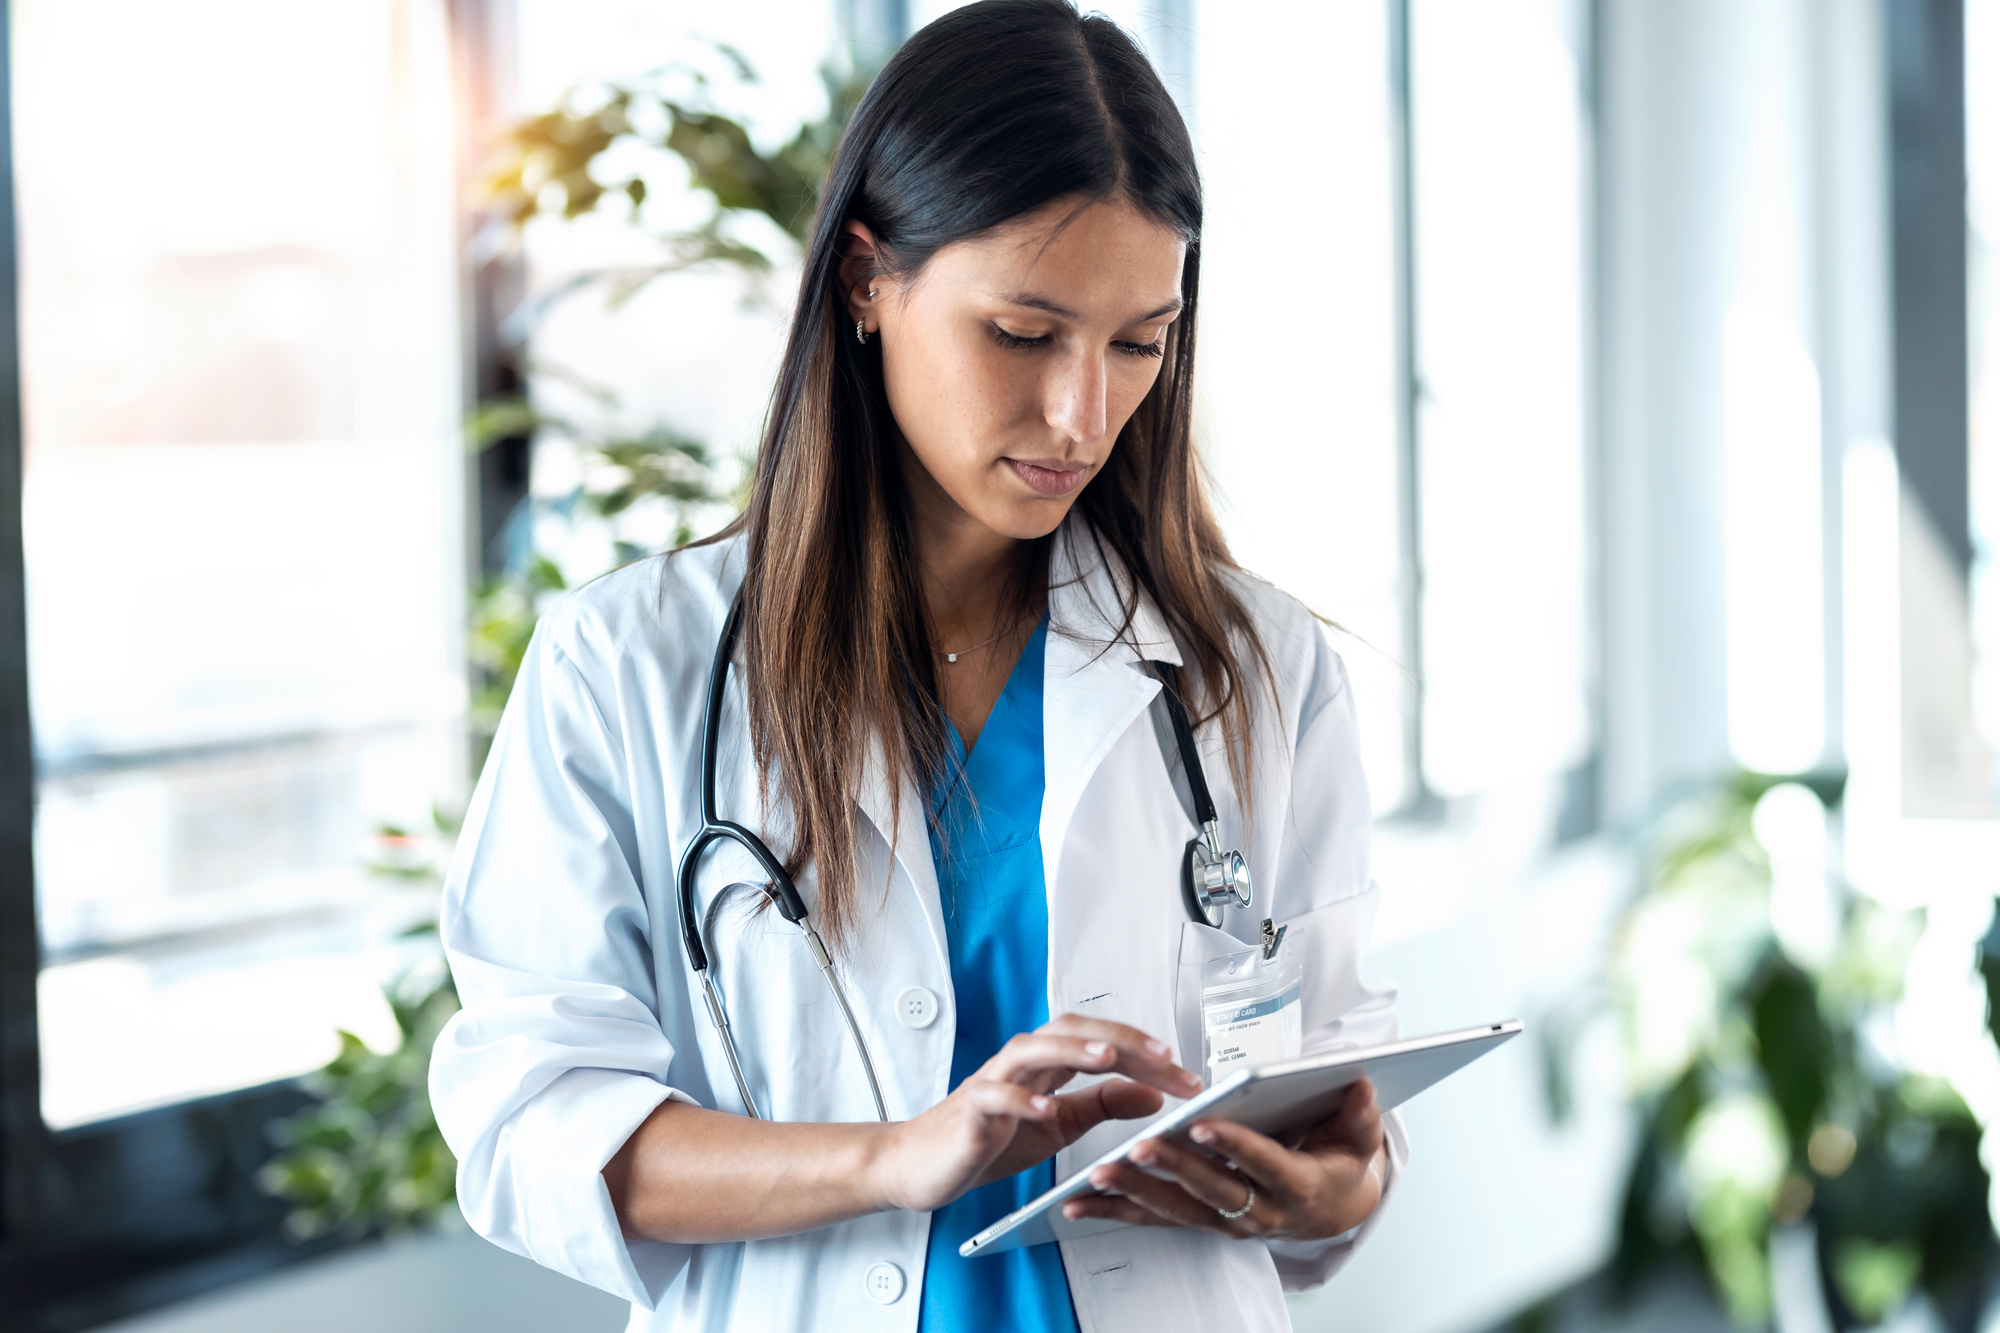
244 475
1299 373
1498 211
244 571
1415 171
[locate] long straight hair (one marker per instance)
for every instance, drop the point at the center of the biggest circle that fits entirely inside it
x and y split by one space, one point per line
987 114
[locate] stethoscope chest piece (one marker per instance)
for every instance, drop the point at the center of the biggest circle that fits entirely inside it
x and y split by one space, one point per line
1212 879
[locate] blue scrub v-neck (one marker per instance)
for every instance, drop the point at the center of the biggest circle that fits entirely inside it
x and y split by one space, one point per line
986 843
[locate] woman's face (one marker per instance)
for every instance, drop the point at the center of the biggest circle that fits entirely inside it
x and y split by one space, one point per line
1013 360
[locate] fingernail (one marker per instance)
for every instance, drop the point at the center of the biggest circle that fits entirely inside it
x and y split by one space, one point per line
1094 1049
1042 1103
1202 1134
1154 1047
1143 1154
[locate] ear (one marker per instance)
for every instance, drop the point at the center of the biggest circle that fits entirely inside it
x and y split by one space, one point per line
860 265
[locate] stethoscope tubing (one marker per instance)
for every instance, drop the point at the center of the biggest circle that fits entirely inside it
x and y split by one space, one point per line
1211 877
783 893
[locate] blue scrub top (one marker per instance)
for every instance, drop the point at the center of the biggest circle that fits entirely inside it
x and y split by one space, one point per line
986 842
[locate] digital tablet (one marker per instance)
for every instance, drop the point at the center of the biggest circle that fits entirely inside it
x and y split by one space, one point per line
1280 1100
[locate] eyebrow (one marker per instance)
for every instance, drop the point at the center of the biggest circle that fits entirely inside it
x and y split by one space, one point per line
1060 311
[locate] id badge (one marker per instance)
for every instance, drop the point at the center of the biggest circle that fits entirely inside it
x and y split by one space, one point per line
1250 1010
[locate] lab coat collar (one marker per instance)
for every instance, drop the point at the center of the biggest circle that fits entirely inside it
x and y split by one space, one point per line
1102 631
1090 593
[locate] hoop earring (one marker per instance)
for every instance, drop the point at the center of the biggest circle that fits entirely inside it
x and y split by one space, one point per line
861 326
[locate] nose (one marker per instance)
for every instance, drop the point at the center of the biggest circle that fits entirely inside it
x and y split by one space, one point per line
1075 403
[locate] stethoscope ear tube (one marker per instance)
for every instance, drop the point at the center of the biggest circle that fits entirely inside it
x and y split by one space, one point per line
825 961
718 1016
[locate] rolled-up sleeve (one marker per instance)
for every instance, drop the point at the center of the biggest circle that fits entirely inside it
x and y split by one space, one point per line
1322 854
558 1053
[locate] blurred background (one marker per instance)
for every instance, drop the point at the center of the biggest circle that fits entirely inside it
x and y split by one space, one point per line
1616 373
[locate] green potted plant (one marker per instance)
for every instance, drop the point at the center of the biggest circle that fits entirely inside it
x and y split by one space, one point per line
1766 1105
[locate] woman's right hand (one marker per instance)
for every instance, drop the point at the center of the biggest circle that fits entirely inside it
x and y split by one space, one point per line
1008 1115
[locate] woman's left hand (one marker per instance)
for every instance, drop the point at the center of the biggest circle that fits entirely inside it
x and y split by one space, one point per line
1328 1185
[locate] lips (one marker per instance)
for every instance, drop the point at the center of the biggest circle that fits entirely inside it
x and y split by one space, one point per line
1049 480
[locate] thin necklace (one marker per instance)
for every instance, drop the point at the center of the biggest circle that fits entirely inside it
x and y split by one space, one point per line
953 657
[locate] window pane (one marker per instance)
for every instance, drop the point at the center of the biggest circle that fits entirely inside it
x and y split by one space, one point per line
1296 396
1498 161
242 490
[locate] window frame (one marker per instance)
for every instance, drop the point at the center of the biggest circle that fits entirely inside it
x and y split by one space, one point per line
1580 812
1927 188
121 1216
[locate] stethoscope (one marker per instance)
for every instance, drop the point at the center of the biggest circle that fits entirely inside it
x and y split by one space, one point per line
1211 878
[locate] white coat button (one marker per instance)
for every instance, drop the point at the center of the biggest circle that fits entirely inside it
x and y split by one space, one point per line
917 1008
884 1281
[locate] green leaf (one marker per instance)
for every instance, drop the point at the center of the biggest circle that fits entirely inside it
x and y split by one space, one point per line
503 419
1793 1045
368 1155
1874 1279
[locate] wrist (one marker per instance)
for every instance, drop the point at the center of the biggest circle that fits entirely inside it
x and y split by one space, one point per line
875 1168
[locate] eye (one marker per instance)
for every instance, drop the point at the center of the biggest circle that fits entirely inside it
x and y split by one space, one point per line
1157 348
1016 343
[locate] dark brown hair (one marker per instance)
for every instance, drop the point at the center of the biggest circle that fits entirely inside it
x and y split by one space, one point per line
991 112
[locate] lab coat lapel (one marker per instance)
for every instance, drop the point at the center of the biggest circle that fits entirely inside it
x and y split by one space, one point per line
1094 681
1094 685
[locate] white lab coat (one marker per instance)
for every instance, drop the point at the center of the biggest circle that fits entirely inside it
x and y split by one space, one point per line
581 1014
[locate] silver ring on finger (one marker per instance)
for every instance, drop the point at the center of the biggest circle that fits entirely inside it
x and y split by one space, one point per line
1249 1201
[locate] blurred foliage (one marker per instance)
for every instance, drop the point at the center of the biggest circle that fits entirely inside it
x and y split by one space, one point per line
623 473
367 1156
599 147
1766 1096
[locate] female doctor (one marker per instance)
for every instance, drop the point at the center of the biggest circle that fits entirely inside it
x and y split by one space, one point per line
773 1081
